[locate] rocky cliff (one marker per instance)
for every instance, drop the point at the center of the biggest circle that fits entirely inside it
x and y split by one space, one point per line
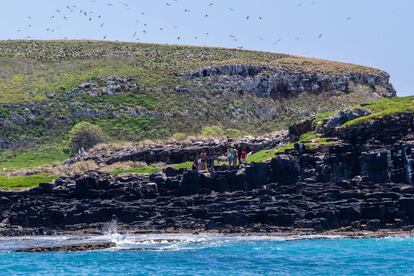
360 179
277 82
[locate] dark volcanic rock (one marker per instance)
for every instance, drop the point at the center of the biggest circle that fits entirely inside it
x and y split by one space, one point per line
296 130
69 248
178 153
365 183
337 120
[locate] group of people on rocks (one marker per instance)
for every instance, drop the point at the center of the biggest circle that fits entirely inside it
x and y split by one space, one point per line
236 155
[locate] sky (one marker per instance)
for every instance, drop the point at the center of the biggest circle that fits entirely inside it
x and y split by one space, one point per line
376 33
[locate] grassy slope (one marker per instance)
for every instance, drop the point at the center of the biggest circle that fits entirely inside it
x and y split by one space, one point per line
29 68
31 158
21 182
25 159
385 107
44 156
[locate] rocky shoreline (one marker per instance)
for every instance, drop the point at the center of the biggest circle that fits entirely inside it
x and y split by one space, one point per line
360 180
80 240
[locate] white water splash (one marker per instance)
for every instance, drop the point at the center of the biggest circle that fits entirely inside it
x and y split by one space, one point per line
110 231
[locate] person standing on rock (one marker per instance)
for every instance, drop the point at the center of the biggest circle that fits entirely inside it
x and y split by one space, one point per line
210 164
204 160
243 157
236 156
199 164
230 155
239 153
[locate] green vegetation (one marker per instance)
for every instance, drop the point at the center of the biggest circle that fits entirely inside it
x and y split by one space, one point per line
213 131
261 156
140 170
313 140
385 107
281 150
310 139
55 66
184 165
132 128
233 133
31 158
31 71
179 136
85 135
47 75
319 117
21 182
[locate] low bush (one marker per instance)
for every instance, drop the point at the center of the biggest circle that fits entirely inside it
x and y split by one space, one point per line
179 136
85 135
212 131
233 133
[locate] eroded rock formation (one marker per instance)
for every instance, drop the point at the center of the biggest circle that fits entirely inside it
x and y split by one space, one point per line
176 152
277 82
363 181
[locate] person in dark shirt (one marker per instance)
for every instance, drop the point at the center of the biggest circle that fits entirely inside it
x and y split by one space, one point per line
239 153
210 164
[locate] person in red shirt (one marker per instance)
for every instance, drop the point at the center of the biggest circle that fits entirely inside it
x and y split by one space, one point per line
243 156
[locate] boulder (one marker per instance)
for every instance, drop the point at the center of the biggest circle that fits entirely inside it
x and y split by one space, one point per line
235 218
285 170
296 130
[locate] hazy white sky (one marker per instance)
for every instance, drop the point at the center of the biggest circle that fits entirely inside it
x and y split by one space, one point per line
376 33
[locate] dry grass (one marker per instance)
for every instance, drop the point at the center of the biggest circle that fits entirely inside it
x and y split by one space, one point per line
29 68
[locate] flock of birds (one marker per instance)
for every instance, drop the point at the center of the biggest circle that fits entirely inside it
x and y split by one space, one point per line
66 14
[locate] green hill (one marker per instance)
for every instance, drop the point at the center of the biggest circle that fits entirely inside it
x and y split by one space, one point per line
145 91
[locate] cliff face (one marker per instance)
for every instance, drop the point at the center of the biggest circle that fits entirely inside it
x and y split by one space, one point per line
278 82
348 184
140 91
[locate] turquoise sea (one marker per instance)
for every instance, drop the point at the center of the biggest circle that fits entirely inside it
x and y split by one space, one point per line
212 255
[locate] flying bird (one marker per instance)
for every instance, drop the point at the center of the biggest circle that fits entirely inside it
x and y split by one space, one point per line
277 41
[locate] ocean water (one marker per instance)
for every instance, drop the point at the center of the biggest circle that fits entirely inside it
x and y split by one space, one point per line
212 255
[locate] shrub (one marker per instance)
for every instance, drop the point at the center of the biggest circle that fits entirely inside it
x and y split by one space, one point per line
179 136
85 135
233 133
212 131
